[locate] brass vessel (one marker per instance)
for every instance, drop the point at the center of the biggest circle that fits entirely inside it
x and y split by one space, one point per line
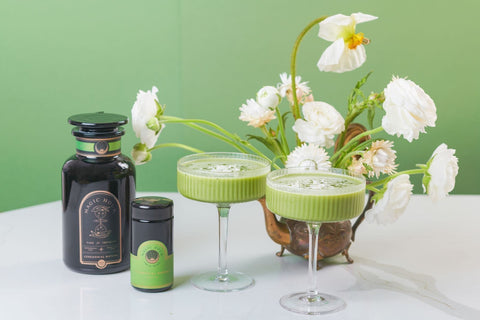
333 238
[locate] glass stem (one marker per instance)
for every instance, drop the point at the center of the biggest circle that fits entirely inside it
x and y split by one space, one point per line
313 230
223 211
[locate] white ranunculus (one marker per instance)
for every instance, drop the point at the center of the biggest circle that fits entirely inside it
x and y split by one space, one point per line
347 52
408 109
285 89
255 114
322 122
394 202
140 154
144 111
308 155
268 97
380 157
442 171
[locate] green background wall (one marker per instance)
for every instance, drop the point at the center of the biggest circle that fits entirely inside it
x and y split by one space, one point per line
62 57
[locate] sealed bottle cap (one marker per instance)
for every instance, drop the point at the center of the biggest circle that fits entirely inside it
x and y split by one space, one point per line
97 124
152 208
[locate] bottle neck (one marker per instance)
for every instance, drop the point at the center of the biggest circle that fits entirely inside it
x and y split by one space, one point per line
98 147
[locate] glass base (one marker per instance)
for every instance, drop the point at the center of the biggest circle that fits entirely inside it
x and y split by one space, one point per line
233 281
308 303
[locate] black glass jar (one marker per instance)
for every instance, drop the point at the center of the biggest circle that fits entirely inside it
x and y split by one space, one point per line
98 185
151 260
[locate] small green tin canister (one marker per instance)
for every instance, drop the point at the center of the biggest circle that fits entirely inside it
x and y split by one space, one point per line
151 256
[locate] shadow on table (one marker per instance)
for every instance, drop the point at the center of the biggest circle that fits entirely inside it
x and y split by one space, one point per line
371 275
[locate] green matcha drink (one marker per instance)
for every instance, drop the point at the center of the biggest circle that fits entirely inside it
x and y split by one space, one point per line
220 178
315 195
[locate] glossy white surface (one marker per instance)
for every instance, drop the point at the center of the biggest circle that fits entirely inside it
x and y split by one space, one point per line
425 266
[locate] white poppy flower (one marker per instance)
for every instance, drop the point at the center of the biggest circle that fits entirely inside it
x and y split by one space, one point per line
285 89
308 155
322 122
347 52
145 124
268 97
255 114
140 154
442 171
380 158
394 202
408 109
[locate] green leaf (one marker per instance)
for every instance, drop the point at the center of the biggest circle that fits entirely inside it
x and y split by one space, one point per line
352 99
160 109
284 116
267 143
363 80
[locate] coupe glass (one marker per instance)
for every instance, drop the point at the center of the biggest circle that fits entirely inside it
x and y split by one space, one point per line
314 196
222 178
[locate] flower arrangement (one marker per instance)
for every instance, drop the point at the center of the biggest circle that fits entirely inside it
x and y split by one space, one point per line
407 111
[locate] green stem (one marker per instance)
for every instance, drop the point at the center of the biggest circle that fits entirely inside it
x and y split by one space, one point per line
356 111
234 140
175 145
352 142
358 148
283 138
191 124
347 157
295 108
205 122
387 179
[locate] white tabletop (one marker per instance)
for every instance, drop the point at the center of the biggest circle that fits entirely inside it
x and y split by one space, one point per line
425 266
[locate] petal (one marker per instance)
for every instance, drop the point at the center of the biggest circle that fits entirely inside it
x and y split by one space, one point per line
334 60
332 27
362 17
331 56
352 59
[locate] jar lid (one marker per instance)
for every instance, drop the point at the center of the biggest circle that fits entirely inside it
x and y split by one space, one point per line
152 208
98 124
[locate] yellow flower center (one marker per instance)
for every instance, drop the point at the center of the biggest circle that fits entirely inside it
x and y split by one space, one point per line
355 40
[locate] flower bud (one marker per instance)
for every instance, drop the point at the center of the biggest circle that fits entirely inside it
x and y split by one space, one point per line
154 125
268 97
140 154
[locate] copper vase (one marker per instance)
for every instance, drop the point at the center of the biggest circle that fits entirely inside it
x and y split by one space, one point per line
334 238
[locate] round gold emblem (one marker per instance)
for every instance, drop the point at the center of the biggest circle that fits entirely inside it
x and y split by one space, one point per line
152 256
101 147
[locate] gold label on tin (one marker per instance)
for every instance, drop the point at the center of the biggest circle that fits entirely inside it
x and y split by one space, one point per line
100 231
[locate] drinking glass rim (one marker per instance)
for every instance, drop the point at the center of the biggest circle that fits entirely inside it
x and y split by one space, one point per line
265 164
334 171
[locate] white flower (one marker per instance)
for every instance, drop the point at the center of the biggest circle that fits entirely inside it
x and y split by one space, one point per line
140 154
347 52
357 167
268 97
442 171
322 122
255 114
145 124
380 158
285 89
394 202
308 155
408 109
